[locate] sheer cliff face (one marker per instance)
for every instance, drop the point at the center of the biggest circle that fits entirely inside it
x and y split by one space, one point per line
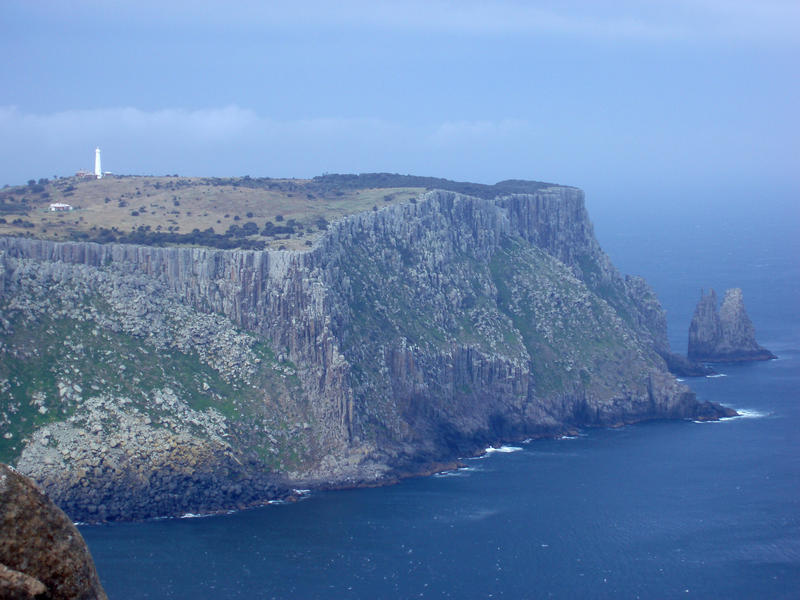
406 336
724 336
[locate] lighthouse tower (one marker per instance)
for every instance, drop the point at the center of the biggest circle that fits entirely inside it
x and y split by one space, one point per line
98 172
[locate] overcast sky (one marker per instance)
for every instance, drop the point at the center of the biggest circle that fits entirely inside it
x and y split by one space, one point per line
650 94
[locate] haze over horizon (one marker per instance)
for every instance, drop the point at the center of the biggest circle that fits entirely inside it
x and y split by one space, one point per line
653 96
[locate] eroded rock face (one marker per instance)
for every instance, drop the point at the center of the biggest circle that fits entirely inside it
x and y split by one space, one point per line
42 554
724 335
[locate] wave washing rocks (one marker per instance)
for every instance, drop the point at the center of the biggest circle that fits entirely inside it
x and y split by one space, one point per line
726 335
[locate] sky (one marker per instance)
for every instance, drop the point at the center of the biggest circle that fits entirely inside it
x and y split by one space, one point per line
649 96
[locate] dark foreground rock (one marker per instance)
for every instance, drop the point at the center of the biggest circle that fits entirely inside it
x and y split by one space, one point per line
683 367
713 411
726 335
42 554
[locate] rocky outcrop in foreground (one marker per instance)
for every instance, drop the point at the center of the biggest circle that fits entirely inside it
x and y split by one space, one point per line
42 554
138 381
726 335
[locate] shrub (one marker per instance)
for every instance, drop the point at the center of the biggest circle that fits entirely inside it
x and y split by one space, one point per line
249 228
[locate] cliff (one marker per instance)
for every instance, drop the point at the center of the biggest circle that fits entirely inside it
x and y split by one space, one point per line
141 381
726 335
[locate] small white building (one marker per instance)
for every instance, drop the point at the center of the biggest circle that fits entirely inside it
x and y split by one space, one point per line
60 207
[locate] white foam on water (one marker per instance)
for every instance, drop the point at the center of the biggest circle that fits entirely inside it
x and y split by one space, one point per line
302 492
504 449
195 515
749 413
744 413
715 375
481 514
679 379
448 474
459 472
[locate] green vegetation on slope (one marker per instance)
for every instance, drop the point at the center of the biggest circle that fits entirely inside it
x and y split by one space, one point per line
571 333
48 367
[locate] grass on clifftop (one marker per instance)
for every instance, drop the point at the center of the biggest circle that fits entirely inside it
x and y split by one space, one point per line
241 212
113 208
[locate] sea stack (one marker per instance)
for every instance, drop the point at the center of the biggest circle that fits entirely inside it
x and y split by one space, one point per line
726 335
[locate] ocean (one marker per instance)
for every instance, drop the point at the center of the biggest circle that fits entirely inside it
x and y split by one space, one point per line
666 509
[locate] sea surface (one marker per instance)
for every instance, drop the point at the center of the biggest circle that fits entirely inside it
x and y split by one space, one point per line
656 510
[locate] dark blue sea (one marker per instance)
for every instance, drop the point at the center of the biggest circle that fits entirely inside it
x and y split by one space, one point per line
656 510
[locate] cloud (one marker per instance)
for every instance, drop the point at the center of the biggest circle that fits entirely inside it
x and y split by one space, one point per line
452 133
218 141
235 141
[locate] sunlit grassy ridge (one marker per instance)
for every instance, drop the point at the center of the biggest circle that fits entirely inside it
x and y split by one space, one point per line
240 212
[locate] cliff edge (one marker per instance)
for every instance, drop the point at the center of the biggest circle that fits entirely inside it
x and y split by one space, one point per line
726 335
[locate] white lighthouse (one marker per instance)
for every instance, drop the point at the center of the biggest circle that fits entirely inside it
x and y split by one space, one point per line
97 170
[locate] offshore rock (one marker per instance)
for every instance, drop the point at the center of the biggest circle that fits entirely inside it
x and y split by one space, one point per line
726 335
42 554
200 379
684 367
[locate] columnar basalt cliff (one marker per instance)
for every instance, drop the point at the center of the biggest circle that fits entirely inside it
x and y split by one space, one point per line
405 337
726 335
